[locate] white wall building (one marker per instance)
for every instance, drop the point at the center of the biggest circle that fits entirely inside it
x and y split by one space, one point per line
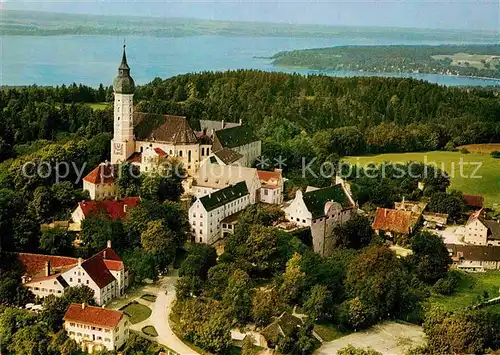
104 273
321 210
206 214
96 328
481 231
272 186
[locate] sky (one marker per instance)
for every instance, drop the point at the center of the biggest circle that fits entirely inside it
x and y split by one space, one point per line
440 14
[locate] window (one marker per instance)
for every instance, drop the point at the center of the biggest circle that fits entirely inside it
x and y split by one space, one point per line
87 282
72 324
70 279
79 281
116 339
201 232
201 240
180 153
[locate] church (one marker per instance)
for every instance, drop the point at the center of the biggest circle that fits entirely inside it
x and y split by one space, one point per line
144 138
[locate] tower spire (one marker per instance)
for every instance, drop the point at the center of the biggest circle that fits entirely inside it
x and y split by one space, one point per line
124 64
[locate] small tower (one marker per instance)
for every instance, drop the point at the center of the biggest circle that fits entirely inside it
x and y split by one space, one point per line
123 144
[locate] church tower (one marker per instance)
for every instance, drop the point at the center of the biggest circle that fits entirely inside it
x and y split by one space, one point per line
123 144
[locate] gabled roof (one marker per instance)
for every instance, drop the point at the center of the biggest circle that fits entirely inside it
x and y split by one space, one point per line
115 209
95 316
97 270
221 197
474 200
474 252
493 227
233 137
209 125
34 264
396 221
281 327
315 200
270 179
104 173
228 156
163 128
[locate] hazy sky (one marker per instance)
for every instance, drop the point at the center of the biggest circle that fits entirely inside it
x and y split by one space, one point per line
464 14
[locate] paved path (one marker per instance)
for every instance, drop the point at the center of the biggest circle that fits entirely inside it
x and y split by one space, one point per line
160 317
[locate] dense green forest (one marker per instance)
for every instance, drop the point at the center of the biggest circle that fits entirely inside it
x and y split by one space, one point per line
467 60
33 23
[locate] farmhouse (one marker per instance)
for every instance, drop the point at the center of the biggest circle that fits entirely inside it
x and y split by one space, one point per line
100 182
114 209
480 231
394 223
321 209
476 258
96 328
104 273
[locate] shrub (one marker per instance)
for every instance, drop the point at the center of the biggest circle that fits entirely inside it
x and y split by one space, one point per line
443 287
464 151
496 154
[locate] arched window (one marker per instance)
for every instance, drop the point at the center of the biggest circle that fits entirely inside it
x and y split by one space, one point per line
202 151
189 156
180 153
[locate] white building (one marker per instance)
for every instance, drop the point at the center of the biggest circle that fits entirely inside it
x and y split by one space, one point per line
100 182
272 186
321 210
137 133
474 258
104 273
96 328
481 231
207 213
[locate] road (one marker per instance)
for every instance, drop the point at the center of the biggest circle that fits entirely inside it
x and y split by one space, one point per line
160 317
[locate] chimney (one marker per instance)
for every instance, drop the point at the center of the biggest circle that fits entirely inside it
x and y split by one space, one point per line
47 268
108 244
241 121
385 212
79 261
222 124
83 305
403 200
104 255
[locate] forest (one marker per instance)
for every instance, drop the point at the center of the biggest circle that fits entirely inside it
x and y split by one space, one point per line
467 60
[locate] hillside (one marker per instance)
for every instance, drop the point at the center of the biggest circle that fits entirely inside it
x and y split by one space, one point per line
32 23
467 60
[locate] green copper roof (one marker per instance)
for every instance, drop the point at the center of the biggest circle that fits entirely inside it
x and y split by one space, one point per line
123 83
235 137
316 200
226 195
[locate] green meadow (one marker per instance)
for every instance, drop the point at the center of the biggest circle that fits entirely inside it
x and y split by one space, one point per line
473 173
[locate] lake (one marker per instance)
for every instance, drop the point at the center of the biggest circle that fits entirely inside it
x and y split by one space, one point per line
91 60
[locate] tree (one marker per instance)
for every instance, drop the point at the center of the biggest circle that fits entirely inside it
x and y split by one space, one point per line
293 279
356 233
32 340
164 183
56 241
200 259
98 228
430 256
247 347
218 277
188 286
215 333
355 315
451 203
128 182
41 204
160 242
141 264
266 304
318 304
238 295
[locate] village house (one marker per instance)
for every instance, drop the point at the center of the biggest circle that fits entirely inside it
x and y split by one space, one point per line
158 136
100 182
474 258
480 231
96 329
208 212
321 209
394 223
272 186
104 273
114 209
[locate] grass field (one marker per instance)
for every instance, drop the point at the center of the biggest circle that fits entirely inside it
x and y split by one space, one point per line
148 297
328 331
481 148
470 287
461 168
99 105
150 330
137 312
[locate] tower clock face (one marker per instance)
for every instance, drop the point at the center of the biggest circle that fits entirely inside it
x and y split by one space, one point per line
118 148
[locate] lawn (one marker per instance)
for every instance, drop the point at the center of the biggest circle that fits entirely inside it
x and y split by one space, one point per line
150 330
328 332
149 297
99 105
485 181
137 312
470 287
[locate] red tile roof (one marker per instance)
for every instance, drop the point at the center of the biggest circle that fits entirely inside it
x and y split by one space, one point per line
95 316
474 201
105 173
136 157
115 209
160 152
396 221
34 264
269 178
97 270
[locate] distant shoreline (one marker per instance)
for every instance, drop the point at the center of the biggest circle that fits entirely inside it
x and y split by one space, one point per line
389 74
